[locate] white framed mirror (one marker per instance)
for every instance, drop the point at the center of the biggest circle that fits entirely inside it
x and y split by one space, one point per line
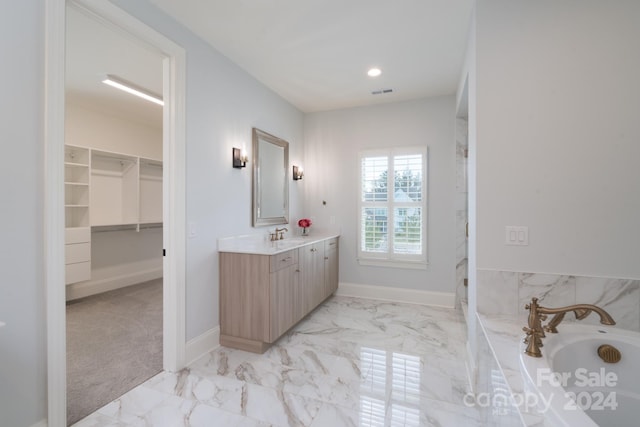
270 184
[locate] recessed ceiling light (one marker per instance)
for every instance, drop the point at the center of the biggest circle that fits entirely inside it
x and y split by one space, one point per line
374 72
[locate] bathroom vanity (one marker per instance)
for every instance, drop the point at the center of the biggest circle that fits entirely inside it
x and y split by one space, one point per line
267 287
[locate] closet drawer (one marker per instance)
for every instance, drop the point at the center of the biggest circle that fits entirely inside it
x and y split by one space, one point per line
283 260
77 272
77 235
78 252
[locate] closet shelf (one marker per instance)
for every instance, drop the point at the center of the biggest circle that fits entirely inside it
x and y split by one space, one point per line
81 184
76 206
76 165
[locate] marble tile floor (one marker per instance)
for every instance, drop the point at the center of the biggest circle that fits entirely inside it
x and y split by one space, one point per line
351 362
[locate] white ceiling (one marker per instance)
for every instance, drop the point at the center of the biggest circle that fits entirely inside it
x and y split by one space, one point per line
313 53
94 50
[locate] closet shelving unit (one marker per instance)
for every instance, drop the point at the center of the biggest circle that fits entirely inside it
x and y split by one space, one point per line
77 177
106 191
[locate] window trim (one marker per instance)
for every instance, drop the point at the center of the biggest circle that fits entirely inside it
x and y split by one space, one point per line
389 258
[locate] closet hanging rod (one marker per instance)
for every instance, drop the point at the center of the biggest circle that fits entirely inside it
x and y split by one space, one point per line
117 227
154 225
157 165
124 227
114 157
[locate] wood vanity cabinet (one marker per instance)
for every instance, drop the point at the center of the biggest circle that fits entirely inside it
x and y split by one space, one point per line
319 271
331 271
263 296
312 269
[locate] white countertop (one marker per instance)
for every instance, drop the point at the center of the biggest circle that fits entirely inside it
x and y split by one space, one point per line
260 244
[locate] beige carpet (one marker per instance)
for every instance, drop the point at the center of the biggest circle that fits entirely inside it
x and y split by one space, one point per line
114 343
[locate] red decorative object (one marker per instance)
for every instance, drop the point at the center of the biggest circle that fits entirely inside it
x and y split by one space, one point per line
304 223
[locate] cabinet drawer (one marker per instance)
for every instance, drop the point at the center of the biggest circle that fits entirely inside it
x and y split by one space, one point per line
77 235
285 259
77 272
330 244
77 252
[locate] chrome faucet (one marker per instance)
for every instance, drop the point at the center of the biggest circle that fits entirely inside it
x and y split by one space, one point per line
535 331
278 234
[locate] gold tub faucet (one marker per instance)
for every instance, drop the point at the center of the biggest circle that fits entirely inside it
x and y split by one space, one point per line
535 331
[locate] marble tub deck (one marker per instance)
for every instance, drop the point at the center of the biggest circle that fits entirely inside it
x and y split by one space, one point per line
351 362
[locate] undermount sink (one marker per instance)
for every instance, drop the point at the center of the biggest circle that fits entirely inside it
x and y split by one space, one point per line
285 243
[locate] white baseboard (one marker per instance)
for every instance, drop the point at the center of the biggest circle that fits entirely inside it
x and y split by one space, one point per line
411 296
92 287
202 344
41 423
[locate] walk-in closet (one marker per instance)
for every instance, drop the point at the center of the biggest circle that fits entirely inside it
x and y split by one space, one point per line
113 214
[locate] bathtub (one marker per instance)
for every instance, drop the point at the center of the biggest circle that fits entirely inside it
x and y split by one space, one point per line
575 387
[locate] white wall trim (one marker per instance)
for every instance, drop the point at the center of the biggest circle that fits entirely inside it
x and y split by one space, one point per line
202 344
92 287
411 296
53 185
41 423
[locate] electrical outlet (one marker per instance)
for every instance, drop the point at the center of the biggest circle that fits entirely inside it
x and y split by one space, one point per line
516 235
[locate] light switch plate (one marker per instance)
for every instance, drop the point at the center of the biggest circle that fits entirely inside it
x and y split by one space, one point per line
516 235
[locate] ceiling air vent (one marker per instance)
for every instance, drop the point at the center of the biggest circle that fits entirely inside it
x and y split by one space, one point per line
381 91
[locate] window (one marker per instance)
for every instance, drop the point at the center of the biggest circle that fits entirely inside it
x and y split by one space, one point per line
392 210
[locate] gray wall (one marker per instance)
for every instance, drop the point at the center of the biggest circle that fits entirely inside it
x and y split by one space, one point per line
223 103
558 135
333 141
22 340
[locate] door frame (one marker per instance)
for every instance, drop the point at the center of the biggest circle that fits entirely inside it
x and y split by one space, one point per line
174 203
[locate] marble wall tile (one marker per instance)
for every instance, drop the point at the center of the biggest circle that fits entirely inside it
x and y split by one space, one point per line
551 290
461 236
462 143
461 175
461 275
619 297
497 292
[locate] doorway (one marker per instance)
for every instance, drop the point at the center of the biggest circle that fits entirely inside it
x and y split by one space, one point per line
113 214
173 189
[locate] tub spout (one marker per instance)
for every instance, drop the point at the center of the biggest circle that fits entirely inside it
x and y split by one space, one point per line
535 331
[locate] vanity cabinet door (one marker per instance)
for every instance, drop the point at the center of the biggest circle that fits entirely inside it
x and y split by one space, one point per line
312 268
244 296
330 266
286 300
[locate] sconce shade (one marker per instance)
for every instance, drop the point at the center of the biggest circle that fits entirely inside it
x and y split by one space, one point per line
239 159
297 173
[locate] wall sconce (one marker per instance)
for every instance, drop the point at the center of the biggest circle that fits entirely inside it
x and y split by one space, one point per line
239 158
298 173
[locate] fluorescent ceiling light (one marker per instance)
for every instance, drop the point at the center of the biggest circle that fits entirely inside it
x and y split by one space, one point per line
374 72
131 88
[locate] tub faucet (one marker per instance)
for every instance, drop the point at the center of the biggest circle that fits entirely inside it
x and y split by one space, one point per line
535 331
